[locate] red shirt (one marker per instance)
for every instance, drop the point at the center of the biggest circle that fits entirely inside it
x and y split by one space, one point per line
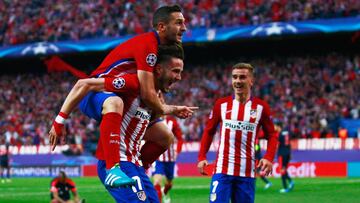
239 128
138 53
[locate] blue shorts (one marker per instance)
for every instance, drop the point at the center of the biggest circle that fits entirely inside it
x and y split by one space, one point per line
239 189
165 168
143 191
91 105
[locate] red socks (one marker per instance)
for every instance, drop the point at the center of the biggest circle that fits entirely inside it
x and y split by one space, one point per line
109 142
158 191
150 152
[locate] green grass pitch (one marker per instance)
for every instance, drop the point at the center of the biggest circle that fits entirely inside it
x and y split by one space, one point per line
192 190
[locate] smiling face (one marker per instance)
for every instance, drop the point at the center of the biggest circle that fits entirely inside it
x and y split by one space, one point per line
242 81
168 73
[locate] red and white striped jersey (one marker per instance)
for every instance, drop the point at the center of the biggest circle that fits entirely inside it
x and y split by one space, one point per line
136 118
171 154
239 127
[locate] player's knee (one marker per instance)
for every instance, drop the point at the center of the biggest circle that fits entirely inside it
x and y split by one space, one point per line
113 104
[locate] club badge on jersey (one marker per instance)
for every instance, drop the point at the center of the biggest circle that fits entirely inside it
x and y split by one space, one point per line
141 195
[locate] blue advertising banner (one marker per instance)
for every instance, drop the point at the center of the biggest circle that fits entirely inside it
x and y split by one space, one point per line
192 36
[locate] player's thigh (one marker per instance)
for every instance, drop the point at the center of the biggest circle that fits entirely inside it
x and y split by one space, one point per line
130 194
113 104
243 190
220 188
92 104
151 194
160 134
285 161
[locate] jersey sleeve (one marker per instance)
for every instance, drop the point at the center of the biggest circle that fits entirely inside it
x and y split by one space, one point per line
146 55
270 134
53 185
209 131
178 134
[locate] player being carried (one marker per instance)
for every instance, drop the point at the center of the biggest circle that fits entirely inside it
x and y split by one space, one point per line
138 55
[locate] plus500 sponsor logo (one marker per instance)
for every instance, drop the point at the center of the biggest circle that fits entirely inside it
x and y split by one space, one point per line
142 114
239 125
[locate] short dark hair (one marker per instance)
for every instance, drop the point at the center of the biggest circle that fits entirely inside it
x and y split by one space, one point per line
163 13
166 52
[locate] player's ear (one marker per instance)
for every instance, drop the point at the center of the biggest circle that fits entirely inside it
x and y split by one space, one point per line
161 27
158 69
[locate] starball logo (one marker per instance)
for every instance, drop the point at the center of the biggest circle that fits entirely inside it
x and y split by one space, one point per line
239 125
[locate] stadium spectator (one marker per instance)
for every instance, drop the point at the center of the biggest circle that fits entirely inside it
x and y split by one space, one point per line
240 115
31 21
60 190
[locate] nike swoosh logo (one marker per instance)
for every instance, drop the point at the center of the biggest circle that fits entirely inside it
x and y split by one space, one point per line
229 111
114 135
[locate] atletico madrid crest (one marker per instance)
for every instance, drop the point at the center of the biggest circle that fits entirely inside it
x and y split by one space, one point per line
141 195
253 113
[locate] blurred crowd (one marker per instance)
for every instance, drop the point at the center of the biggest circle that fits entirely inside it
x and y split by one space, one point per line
307 94
47 20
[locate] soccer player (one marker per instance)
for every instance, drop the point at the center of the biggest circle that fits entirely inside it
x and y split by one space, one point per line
258 157
165 165
136 119
137 55
60 190
284 155
4 163
240 116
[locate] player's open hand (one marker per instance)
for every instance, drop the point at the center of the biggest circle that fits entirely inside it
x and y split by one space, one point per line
201 166
184 111
265 167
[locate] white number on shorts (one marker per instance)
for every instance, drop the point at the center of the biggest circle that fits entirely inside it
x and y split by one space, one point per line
215 184
138 181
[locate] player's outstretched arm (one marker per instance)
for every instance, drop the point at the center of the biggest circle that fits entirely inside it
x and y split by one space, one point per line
148 93
77 93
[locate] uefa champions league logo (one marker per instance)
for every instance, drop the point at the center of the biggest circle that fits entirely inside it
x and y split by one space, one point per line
276 28
151 59
118 83
40 48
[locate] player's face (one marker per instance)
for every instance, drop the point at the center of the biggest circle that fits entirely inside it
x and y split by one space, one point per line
175 28
242 81
169 73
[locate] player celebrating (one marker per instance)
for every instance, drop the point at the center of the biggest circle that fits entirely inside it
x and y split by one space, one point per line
240 117
137 55
165 165
284 155
136 118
